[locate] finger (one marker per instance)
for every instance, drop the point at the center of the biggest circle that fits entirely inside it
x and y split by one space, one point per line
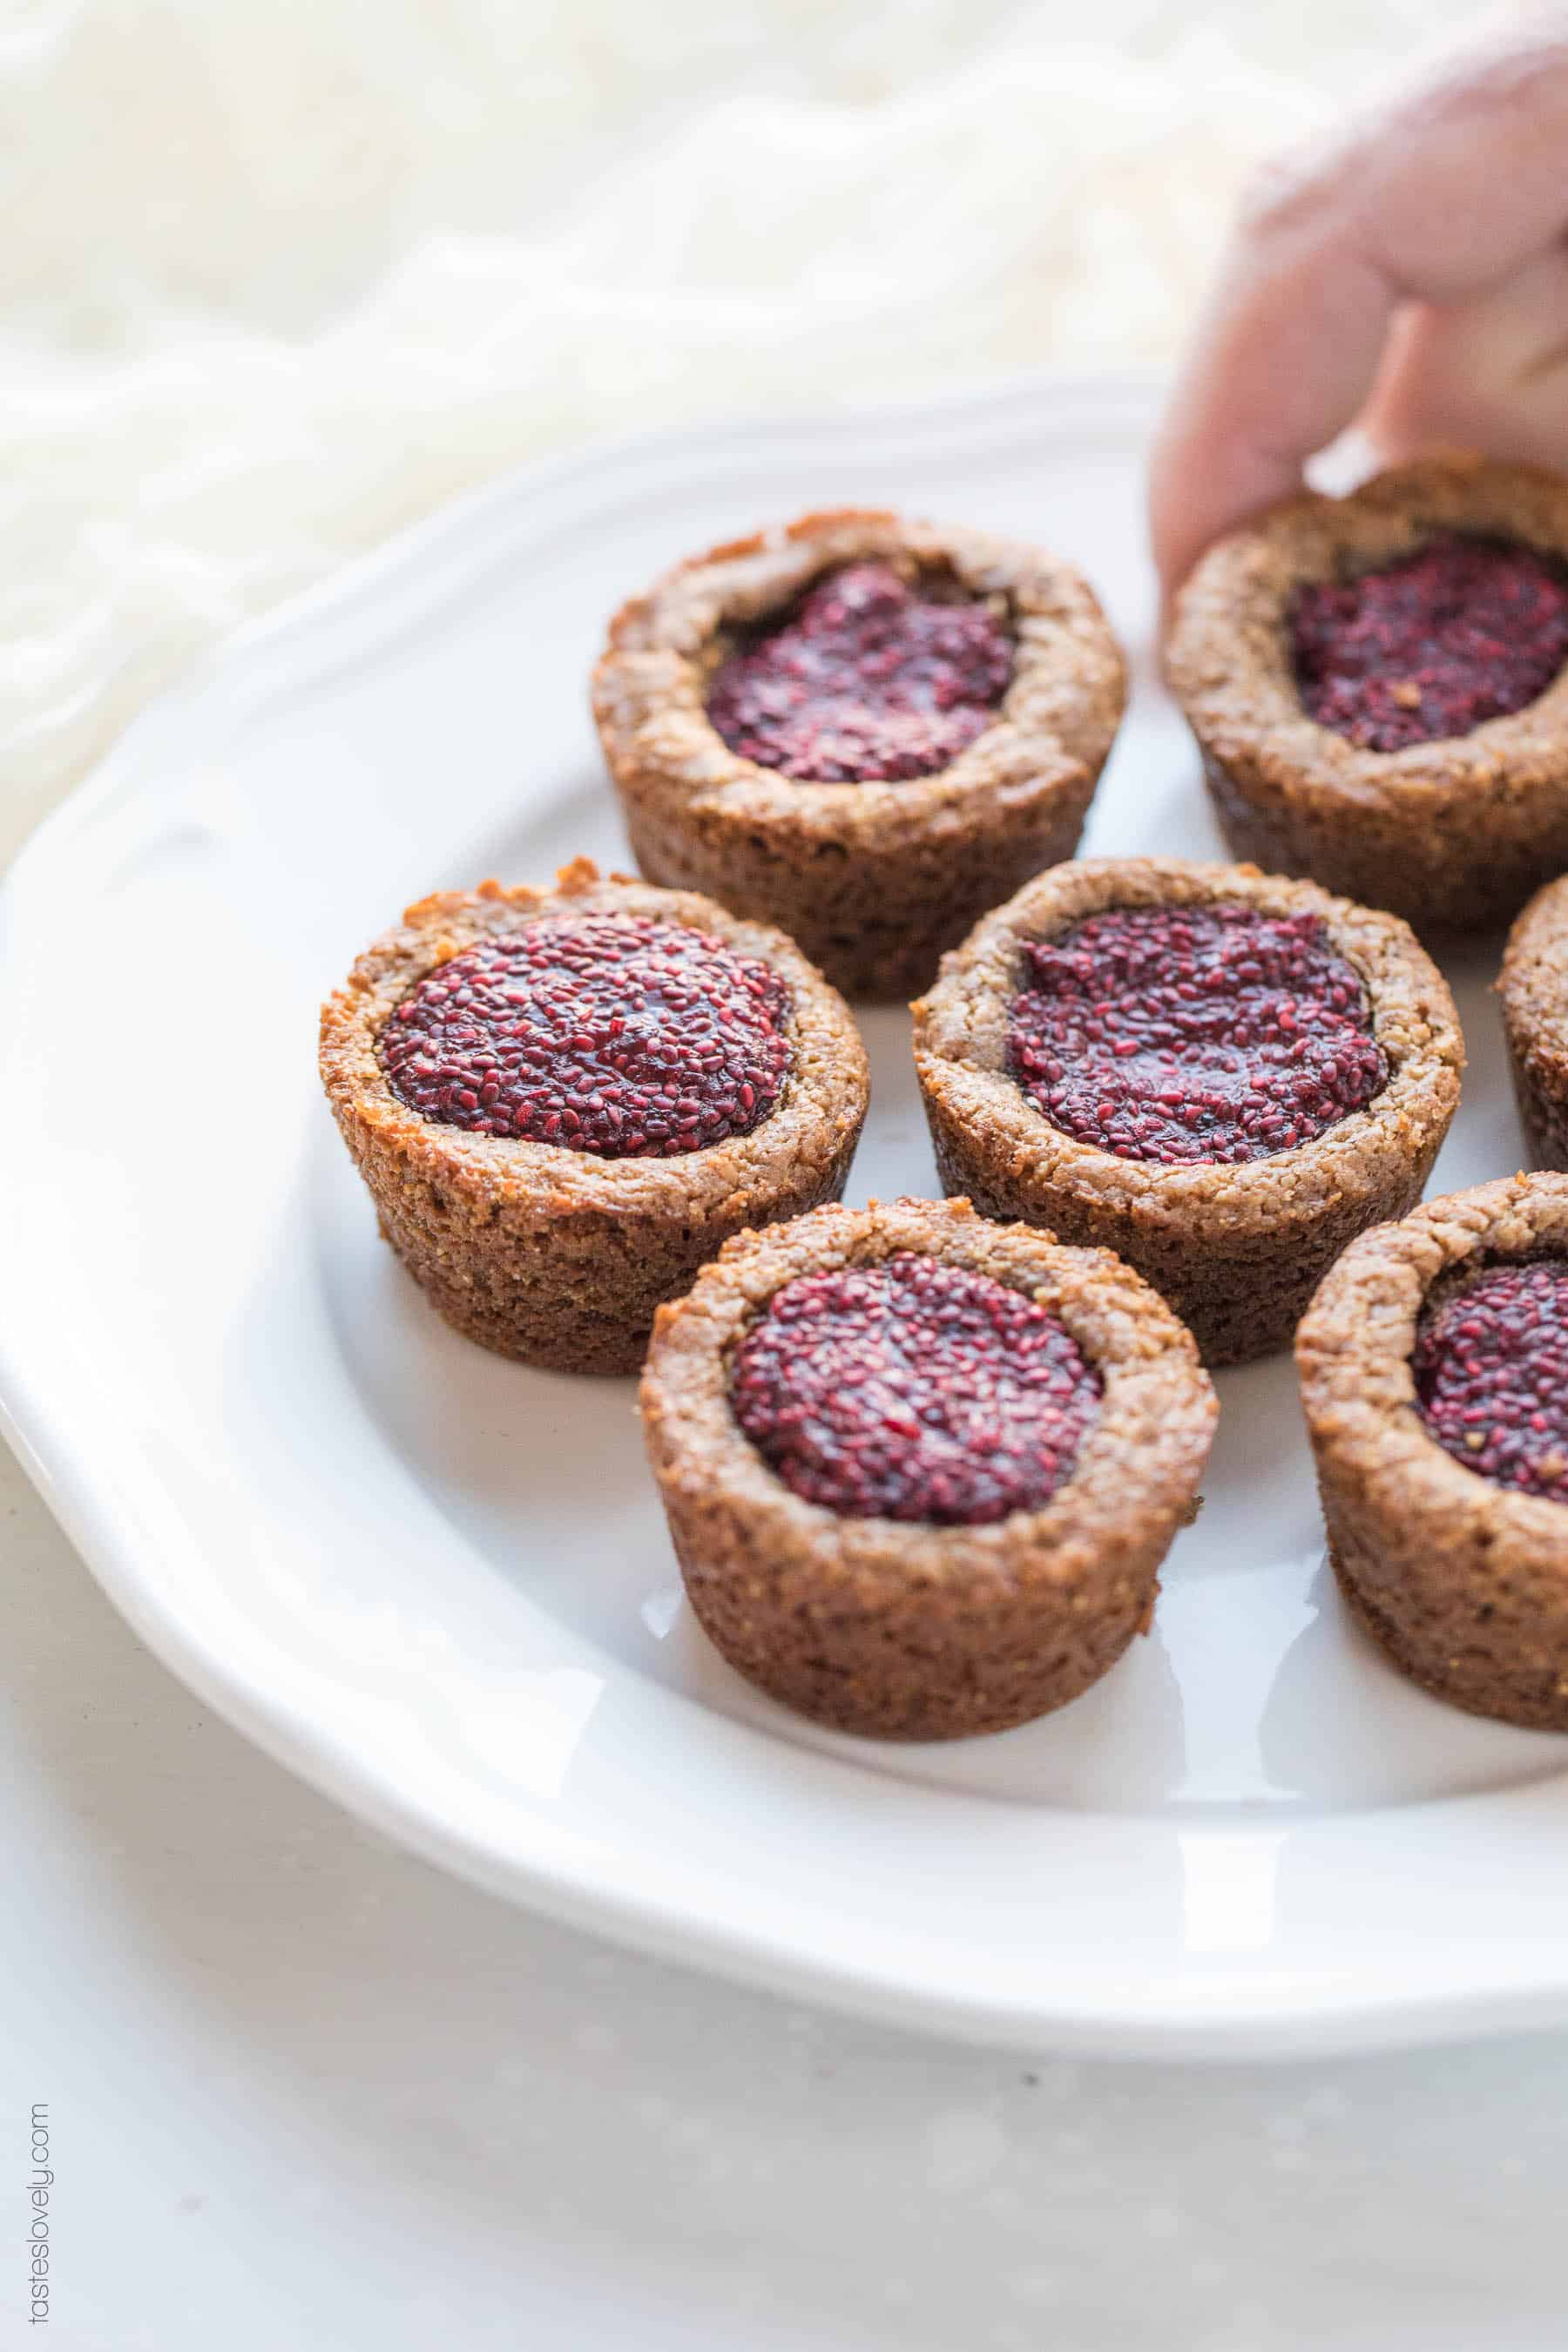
1490 375
1284 362
1457 185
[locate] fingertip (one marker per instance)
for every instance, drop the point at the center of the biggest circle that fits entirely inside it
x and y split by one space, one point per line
1204 484
1176 524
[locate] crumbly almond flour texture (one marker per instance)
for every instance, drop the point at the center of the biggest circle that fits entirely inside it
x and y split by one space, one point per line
1460 1578
1452 832
1236 1246
926 1631
873 875
1533 987
540 1250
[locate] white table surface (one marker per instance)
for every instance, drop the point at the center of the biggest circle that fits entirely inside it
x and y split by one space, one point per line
304 2092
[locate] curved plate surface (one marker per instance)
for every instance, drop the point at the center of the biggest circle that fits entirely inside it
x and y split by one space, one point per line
439 1586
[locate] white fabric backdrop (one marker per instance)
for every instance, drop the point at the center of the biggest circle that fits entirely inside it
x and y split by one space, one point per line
282 274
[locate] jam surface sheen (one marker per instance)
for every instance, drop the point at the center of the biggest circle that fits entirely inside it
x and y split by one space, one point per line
1176 1034
867 679
614 1035
1491 1376
914 1389
1425 650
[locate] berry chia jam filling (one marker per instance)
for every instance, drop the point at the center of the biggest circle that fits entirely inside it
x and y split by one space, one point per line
1491 1376
914 1389
1463 631
866 679
610 1033
1201 1033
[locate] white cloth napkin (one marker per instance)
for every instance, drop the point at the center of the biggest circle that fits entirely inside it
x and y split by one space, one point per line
282 277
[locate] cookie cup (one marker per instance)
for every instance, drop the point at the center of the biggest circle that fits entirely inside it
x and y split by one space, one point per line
872 879
1534 992
558 1257
1453 834
1237 1250
1462 1582
904 1632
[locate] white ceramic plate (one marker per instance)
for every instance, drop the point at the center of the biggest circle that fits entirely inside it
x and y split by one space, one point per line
439 1585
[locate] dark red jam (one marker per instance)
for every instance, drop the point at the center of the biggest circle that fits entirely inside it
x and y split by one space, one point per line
1212 1033
867 678
609 1034
1491 1376
914 1389
1463 631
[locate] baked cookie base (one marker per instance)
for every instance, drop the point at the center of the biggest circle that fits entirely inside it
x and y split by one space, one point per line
1240 1303
559 1258
913 1632
1452 834
1463 1583
581 1295
878 923
1239 1250
1474 1681
1410 869
1533 989
874 879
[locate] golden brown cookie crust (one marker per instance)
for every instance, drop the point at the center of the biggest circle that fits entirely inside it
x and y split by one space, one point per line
559 1257
1463 1583
915 1631
873 880
1238 1251
1534 992
1453 834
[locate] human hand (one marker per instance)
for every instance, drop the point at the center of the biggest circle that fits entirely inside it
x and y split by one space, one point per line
1410 276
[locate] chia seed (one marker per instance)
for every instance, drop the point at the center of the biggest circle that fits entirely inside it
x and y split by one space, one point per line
613 1034
916 1390
1193 1033
867 679
1491 1376
1463 631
